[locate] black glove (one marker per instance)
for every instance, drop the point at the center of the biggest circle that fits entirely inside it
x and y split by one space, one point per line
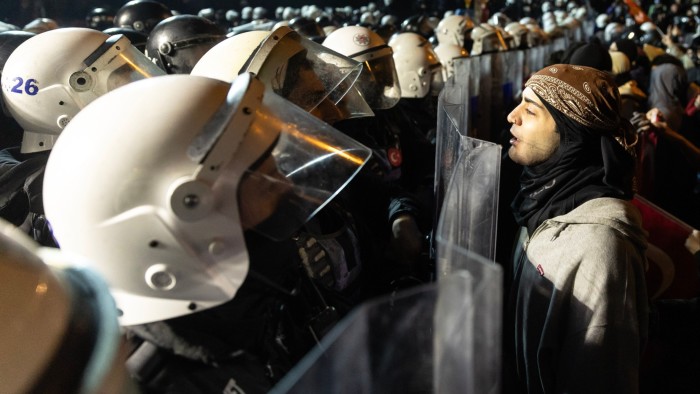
640 122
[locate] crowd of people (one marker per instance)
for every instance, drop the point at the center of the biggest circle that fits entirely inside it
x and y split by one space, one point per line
195 200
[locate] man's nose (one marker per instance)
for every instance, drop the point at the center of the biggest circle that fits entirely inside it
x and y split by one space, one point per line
513 116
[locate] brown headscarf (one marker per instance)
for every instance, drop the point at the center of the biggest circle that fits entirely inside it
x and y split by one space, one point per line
586 95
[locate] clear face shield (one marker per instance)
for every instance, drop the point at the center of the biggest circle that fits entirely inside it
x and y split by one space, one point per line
379 83
308 74
115 63
285 168
309 163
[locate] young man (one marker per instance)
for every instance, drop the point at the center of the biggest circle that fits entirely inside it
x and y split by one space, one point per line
578 303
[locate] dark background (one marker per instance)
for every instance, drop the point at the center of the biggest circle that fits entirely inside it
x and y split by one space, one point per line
73 12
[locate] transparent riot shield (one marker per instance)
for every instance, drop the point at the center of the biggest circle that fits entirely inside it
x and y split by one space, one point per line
560 44
589 28
516 73
470 72
462 71
507 72
453 118
537 58
439 338
469 322
499 83
482 118
469 210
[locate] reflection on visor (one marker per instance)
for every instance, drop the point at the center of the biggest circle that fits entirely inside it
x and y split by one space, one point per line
299 83
352 105
379 83
324 146
309 164
302 71
115 63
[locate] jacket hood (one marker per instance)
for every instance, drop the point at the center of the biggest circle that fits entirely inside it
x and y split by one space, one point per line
617 214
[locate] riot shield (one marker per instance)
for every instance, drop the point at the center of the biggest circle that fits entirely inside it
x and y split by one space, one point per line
453 118
537 57
516 74
507 71
462 68
499 83
444 337
481 116
469 210
560 44
468 322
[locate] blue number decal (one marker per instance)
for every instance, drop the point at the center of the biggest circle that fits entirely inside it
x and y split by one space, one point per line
16 88
30 87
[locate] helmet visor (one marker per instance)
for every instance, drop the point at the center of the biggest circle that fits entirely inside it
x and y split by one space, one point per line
351 105
302 71
309 164
379 83
113 64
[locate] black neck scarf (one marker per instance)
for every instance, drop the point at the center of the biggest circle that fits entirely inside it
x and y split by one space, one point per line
588 164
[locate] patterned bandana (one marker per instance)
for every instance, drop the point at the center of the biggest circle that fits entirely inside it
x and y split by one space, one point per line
586 95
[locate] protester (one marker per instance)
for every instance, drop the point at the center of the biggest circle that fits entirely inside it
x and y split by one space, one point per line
579 304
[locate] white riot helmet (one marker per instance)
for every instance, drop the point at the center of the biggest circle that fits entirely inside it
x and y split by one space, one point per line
612 31
560 16
368 18
546 7
537 36
60 331
499 19
388 19
601 21
453 29
647 27
53 75
519 32
40 25
580 13
447 53
259 13
487 39
417 65
312 12
378 83
164 221
550 26
298 69
247 13
507 37
289 13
